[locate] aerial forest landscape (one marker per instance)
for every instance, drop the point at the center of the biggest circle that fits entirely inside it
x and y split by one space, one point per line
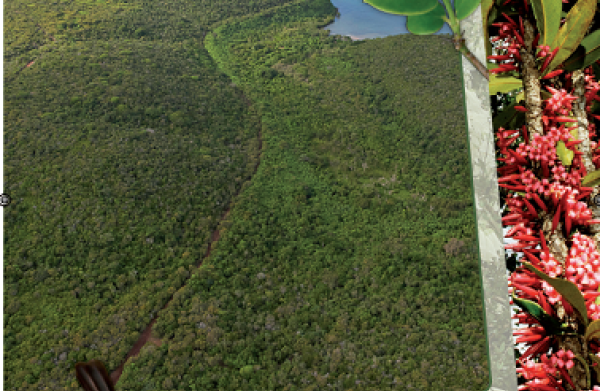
220 195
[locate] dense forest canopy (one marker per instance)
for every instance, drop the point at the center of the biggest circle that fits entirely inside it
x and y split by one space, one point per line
348 254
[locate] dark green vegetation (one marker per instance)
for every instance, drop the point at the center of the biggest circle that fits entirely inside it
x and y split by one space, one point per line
331 267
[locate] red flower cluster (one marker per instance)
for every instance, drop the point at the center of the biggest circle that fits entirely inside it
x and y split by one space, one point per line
540 181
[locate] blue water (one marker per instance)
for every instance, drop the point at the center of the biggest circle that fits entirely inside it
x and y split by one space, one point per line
359 20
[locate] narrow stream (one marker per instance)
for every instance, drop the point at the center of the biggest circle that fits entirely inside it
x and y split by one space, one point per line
146 336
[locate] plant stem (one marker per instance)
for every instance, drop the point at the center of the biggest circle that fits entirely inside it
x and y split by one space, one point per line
459 41
578 78
531 82
459 44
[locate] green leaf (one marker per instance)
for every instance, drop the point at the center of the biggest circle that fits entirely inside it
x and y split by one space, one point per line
567 289
587 53
504 84
486 7
550 324
403 7
517 122
575 134
572 32
488 14
428 23
596 68
465 8
565 154
547 16
505 116
492 16
546 95
592 179
575 60
521 95
591 43
592 331
491 65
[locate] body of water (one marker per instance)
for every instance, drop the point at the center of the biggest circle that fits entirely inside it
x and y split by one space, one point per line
359 20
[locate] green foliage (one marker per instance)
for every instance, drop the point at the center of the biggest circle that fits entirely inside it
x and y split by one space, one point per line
428 16
404 7
427 23
103 215
331 265
573 31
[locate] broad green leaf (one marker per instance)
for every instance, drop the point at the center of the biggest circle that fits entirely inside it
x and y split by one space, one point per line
550 324
573 31
520 96
517 121
464 8
575 134
547 15
546 95
403 7
492 16
428 23
486 7
503 118
591 180
596 67
575 60
591 43
504 84
586 54
592 331
564 154
567 289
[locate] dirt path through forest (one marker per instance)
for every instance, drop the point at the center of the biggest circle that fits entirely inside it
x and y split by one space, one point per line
145 337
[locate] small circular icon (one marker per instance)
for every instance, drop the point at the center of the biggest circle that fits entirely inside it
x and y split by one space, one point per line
4 199
597 200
